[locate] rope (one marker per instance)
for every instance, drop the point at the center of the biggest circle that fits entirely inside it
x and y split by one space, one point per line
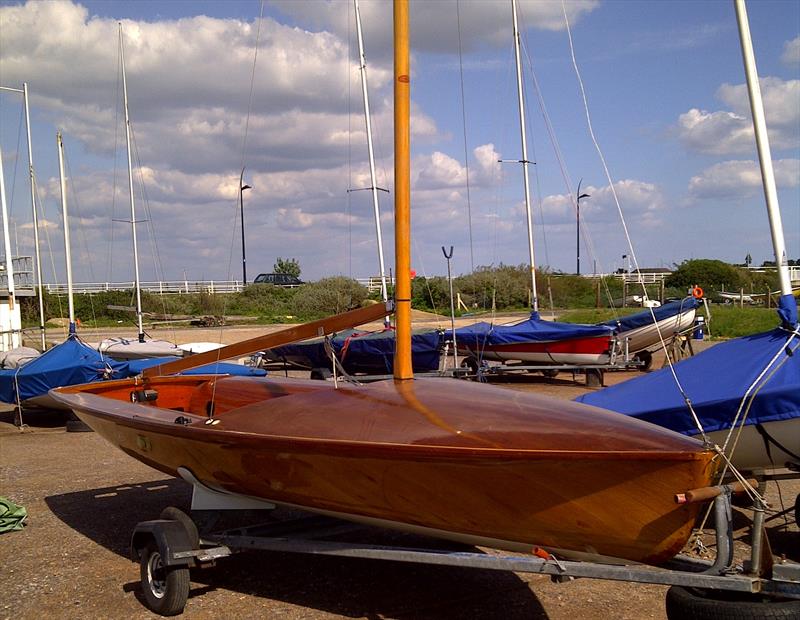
241 167
755 387
464 126
686 399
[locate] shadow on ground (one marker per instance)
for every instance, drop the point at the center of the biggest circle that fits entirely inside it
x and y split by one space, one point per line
348 586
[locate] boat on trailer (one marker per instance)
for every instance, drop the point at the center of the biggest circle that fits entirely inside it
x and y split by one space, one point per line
457 460
537 341
647 328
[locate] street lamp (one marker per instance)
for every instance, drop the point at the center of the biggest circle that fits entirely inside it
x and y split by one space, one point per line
578 222
243 187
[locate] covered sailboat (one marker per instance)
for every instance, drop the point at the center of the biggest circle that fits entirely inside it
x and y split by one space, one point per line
751 382
362 352
537 341
745 393
69 363
74 362
646 328
462 461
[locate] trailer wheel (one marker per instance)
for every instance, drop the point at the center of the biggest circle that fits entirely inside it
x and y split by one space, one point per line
166 589
550 373
645 359
170 513
699 604
321 374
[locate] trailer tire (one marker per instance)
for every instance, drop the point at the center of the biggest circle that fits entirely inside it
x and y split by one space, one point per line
321 374
699 604
645 358
170 513
165 588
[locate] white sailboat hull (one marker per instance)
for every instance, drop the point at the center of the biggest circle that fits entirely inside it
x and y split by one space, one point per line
644 337
751 451
124 349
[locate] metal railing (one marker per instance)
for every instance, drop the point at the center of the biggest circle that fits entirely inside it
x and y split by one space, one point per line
172 287
23 276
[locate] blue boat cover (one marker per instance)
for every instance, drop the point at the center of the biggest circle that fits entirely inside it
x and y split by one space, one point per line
135 367
367 352
640 319
532 329
69 363
716 382
73 362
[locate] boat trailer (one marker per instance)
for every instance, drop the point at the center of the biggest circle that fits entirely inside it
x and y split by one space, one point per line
168 547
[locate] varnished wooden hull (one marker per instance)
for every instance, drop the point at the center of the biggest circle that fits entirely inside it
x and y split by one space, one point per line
473 462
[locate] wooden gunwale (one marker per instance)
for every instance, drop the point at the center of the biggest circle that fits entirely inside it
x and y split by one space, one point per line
136 421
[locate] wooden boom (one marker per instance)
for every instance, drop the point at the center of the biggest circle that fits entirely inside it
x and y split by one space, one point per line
275 339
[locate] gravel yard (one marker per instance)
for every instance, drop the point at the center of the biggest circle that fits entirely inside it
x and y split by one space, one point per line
84 497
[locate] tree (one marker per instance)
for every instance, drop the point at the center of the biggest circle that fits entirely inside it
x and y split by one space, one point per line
707 273
289 266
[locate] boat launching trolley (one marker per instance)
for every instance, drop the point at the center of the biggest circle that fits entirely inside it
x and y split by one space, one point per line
168 547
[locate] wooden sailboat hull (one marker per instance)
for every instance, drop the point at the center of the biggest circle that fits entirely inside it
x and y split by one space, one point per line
467 462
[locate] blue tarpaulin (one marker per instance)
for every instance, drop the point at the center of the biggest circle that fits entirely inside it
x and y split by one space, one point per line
73 362
640 319
716 381
69 363
532 329
135 367
366 352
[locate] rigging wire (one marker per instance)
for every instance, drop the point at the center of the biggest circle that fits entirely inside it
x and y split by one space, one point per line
464 125
238 187
585 228
118 104
635 261
43 218
16 162
81 230
348 200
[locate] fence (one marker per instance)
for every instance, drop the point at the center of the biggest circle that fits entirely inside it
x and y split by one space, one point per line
175 287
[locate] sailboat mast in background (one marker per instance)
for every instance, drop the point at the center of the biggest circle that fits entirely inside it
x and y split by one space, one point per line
362 61
137 284
524 161
67 245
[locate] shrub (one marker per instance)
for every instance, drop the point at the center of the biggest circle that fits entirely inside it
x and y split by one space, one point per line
328 296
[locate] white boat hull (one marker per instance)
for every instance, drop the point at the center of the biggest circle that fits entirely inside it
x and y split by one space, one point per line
644 337
751 448
124 349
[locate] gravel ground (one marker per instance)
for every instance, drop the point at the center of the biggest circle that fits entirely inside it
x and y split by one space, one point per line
84 497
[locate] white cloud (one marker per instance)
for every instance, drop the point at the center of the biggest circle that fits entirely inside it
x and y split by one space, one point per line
731 132
741 178
636 198
188 101
791 52
434 25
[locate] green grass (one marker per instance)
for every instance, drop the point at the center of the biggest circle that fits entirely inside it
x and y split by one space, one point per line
726 321
732 322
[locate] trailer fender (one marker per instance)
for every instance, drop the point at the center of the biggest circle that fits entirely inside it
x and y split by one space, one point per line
170 536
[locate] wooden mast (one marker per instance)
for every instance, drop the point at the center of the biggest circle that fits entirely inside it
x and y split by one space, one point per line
402 194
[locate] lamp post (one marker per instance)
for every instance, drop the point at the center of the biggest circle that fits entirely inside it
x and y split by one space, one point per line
578 225
243 187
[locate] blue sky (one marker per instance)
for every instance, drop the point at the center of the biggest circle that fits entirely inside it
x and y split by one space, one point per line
665 89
